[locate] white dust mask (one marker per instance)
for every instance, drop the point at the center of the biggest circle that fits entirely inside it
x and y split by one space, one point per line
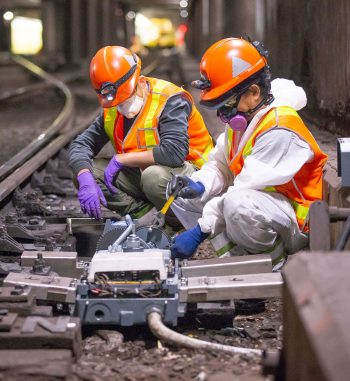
131 107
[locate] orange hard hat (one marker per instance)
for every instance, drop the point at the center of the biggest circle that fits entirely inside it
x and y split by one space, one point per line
114 73
224 66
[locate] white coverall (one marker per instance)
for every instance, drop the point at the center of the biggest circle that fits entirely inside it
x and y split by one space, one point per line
237 209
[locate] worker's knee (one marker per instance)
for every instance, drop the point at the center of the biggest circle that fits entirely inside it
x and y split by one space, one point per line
237 203
154 180
246 223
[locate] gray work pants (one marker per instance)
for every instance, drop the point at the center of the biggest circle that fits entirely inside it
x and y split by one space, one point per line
139 191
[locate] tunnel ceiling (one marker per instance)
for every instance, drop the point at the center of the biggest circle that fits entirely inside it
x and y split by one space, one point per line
19 3
169 4
156 8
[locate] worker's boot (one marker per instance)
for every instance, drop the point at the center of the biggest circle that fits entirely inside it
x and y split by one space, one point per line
145 216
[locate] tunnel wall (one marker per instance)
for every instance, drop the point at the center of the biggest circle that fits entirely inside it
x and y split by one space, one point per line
307 40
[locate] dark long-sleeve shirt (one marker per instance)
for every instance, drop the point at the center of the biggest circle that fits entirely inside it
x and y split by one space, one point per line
173 134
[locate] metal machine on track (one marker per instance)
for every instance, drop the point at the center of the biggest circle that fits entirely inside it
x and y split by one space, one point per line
132 274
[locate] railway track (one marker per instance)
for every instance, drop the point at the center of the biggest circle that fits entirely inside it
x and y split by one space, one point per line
42 230
36 198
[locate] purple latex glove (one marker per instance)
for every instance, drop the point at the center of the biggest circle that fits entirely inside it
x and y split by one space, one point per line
111 172
90 195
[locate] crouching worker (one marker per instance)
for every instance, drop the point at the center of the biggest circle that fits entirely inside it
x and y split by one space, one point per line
156 132
254 194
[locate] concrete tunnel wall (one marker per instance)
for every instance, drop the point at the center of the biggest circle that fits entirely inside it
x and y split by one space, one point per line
307 41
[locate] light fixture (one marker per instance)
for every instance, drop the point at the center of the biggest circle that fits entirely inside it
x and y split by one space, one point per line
8 16
183 3
184 14
130 15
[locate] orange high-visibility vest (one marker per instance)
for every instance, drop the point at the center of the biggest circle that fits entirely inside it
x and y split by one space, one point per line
306 185
143 134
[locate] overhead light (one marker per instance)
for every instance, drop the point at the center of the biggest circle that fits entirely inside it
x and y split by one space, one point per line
183 3
184 13
8 16
26 35
130 15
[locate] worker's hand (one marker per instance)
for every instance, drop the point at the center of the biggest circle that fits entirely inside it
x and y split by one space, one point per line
185 244
189 188
111 173
90 195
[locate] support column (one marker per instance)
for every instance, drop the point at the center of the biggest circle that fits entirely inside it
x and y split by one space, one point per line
92 28
215 20
5 33
106 22
48 13
55 32
76 31
118 24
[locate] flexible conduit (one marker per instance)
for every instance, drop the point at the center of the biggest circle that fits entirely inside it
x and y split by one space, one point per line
167 335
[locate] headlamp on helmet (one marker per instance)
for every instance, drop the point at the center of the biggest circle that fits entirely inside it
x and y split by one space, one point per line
108 90
201 84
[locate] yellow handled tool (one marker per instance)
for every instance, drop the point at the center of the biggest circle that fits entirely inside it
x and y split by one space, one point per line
159 218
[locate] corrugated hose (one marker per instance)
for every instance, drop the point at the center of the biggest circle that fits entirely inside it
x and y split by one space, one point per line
167 335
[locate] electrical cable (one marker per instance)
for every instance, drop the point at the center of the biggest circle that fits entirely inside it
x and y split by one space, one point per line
167 335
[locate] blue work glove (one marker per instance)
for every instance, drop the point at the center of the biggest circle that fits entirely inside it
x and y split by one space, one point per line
90 195
190 188
111 172
185 244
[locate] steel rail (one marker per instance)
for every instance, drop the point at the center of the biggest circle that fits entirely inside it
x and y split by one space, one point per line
35 88
63 121
16 178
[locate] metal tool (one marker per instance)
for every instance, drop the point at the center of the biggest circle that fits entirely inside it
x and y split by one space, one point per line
159 218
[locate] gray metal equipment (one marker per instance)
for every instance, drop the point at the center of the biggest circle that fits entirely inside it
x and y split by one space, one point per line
132 274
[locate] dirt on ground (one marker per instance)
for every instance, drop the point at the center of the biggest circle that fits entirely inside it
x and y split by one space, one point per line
135 355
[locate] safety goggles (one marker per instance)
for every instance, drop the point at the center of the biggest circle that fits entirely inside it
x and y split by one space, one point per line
109 90
229 109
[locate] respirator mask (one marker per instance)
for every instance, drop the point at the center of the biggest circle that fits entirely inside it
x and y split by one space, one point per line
228 114
238 120
131 107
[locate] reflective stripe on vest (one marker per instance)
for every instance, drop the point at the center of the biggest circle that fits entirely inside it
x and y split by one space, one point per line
300 210
200 158
271 116
110 115
148 129
290 120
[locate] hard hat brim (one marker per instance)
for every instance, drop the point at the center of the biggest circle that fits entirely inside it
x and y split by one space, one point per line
217 97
